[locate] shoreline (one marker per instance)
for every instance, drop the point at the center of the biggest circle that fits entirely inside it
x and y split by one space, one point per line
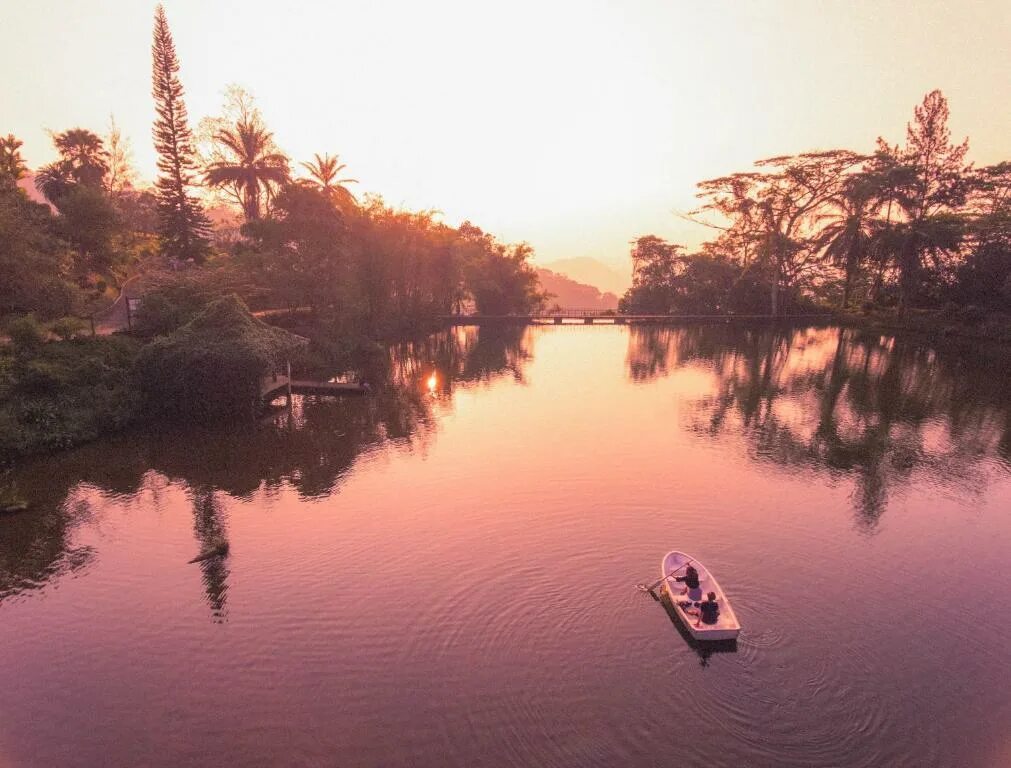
992 333
933 326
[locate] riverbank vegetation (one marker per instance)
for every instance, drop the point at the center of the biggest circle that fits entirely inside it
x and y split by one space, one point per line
904 229
57 394
229 214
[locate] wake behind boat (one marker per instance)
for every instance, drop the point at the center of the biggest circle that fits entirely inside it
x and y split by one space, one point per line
726 626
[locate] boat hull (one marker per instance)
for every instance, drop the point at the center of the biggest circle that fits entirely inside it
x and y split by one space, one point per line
726 627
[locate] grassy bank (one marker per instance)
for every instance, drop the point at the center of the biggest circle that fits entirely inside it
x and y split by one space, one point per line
966 324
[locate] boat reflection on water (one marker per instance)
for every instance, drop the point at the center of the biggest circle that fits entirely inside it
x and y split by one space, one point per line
703 649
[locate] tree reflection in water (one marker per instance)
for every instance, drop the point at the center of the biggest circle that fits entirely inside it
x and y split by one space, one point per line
209 527
871 407
310 447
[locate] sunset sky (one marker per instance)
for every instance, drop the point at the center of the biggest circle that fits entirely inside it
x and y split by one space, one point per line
573 125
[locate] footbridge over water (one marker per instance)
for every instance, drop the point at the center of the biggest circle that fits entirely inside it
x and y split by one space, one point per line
610 317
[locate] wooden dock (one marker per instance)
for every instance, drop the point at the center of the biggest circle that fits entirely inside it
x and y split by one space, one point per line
274 386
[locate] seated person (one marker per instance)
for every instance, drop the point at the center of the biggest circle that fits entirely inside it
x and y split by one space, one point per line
691 579
708 612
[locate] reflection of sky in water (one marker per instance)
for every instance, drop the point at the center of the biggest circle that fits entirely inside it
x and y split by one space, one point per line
446 570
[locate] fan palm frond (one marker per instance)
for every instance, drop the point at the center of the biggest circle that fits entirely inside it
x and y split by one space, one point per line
254 167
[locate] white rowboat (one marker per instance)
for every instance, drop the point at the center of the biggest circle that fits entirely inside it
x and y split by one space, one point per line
726 627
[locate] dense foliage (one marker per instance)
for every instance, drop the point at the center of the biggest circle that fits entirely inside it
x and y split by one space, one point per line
358 271
62 393
907 226
213 365
63 257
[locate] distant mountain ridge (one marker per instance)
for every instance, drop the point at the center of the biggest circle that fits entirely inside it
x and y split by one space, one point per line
569 294
590 271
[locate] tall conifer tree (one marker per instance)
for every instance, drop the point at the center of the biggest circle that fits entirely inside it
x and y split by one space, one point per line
183 226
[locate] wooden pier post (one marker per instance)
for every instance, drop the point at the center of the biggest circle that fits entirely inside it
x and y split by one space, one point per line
287 365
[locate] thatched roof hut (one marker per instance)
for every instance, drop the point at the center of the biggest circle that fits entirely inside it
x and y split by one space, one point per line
214 364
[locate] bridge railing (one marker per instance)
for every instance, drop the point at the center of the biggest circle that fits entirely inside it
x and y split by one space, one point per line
575 312
609 313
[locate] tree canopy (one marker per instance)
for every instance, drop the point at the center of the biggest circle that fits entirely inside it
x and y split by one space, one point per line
908 226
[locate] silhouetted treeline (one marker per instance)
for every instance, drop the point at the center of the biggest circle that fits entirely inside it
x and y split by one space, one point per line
911 226
277 240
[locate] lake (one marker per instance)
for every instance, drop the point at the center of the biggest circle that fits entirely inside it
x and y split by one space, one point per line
443 574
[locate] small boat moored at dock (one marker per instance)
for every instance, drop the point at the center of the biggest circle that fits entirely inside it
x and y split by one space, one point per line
726 626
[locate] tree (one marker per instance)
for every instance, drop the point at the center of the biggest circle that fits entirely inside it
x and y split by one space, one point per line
75 185
929 182
498 277
665 279
89 221
183 226
34 261
304 246
771 212
121 174
849 229
83 162
655 266
12 165
984 279
323 173
252 166
84 154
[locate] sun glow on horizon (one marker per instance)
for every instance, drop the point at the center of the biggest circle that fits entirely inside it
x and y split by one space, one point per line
572 126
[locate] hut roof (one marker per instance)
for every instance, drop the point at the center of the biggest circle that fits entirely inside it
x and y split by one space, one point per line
226 326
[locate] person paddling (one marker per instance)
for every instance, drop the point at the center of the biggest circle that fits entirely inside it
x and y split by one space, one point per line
690 579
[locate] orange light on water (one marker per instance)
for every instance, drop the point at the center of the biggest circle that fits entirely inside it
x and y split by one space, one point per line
432 382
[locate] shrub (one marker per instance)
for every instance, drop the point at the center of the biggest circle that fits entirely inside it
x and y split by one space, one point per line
158 315
66 394
34 378
171 304
26 335
67 327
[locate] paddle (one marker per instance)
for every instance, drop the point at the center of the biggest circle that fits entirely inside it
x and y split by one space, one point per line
656 584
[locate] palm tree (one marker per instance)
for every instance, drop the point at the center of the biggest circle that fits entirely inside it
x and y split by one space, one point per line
83 161
848 237
53 181
255 169
323 172
84 155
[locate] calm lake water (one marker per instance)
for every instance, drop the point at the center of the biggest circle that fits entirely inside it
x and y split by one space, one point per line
444 574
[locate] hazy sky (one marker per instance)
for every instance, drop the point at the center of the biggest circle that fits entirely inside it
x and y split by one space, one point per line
573 125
